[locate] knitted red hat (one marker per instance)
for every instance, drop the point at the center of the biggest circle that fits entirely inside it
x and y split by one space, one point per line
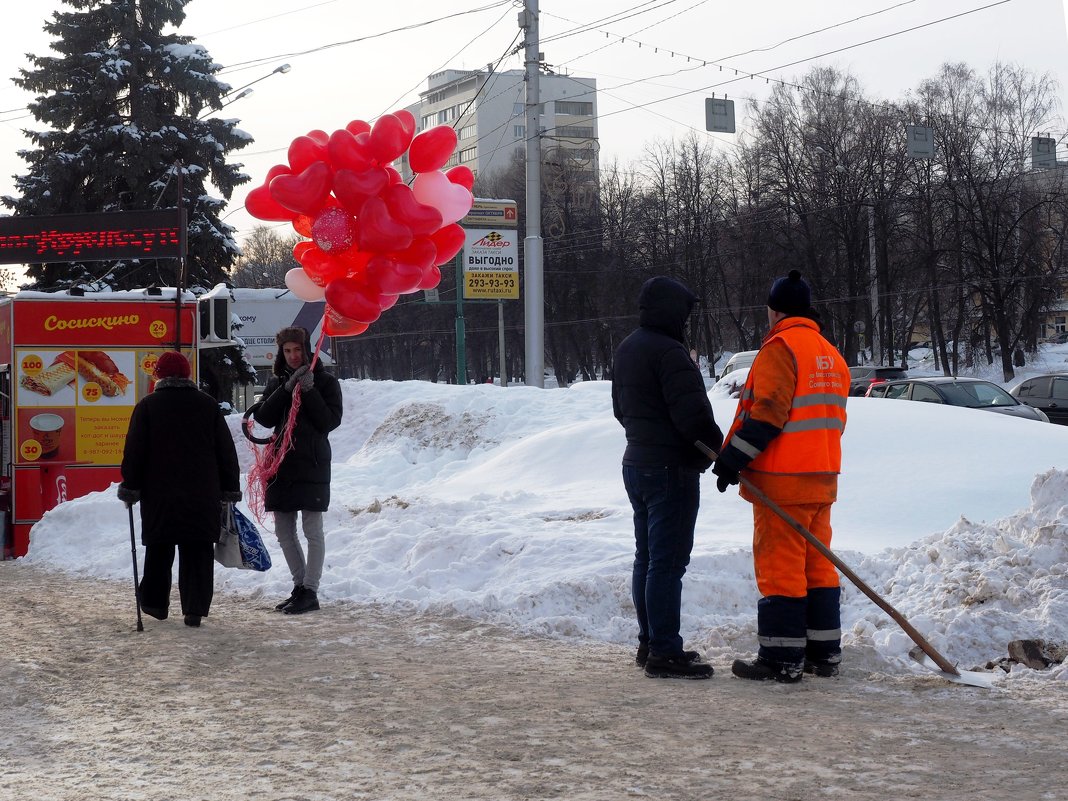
172 364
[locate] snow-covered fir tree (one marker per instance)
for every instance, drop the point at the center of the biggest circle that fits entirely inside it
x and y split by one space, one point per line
125 103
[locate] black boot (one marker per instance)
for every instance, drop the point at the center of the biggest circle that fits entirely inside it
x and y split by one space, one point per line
821 667
676 667
192 620
641 656
292 597
305 601
761 669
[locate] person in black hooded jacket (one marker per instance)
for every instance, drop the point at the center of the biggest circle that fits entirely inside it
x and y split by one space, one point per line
302 483
659 397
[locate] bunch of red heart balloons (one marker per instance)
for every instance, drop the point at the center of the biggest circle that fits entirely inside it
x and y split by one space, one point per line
369 236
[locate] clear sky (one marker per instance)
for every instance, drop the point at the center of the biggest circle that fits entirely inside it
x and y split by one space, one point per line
654 61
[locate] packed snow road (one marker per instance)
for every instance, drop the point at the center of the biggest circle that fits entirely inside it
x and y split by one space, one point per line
367 702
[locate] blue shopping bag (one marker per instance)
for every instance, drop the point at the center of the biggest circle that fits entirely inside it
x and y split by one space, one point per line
240 544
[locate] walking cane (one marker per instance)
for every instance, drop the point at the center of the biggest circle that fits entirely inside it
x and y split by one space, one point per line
133 554
944 667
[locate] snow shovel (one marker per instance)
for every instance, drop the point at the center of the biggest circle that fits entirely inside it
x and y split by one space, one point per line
924 653
137 585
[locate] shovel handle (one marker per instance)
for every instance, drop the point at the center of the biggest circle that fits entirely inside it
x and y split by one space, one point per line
907 627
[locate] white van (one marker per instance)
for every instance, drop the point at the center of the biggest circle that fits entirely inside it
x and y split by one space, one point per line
739 360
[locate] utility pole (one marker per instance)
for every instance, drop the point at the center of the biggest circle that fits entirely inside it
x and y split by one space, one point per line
876 355
533 280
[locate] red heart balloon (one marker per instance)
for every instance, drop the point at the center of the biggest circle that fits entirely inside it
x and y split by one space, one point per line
302 225
304 151
431 278
462 176
432 148
394 176
321 267
303 193
391 277
422 253
301 248
355 260
407 120
262 206
386 301
449 241
353 188
354 300
388 139
337 325
403 206
379 232
320 137
346 153
357 127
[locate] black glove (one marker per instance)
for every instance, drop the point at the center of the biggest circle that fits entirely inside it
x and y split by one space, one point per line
307 381
297 374
231 496
725 475
129 496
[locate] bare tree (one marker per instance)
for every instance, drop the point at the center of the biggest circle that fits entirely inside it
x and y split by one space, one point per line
265 259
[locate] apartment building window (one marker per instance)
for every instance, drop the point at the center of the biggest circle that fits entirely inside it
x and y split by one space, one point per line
520 131
575 131
453 161
467 132
428 120
469 154
518 110
574 108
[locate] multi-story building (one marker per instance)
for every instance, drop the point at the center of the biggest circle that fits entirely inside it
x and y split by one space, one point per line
487 110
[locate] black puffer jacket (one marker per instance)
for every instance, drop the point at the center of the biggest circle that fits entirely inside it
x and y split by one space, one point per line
303 481
658 394
180 456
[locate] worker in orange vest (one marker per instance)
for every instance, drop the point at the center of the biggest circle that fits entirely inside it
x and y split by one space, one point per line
786 436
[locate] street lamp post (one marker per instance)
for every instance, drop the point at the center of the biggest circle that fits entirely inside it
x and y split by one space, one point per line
246 90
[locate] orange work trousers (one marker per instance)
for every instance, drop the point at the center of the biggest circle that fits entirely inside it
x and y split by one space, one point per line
785 562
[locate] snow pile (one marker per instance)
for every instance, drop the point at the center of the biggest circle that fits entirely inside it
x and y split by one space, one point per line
507 505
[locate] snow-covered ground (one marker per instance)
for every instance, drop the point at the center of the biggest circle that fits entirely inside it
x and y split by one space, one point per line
507 505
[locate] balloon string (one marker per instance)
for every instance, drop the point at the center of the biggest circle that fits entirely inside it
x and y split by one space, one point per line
268 462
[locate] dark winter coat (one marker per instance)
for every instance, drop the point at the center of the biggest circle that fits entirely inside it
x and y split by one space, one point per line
658 394
302 483
180 456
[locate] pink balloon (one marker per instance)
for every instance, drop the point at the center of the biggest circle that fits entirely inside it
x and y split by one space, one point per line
432 148
435 189
302 286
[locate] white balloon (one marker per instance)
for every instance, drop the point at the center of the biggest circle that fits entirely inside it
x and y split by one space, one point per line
302 286
435 189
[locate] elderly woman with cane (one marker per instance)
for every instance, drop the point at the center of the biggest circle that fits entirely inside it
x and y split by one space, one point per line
180 463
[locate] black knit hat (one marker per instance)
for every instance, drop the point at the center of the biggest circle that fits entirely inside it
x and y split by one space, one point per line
790 295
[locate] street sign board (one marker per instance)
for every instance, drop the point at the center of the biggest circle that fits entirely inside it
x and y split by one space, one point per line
491 264
486 213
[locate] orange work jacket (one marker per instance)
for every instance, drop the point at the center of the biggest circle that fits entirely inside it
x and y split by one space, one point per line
798 383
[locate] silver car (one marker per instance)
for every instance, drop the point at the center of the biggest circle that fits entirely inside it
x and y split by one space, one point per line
970 393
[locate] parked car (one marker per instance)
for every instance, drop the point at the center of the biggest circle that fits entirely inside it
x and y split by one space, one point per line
743 358
1046 392
970 393
1060 338
860 378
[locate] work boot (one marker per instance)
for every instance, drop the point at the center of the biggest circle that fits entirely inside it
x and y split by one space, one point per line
305 601
676 667
820 667
761 669
192 620
292 597
641 656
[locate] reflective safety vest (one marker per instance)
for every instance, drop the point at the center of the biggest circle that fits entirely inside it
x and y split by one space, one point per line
811 440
